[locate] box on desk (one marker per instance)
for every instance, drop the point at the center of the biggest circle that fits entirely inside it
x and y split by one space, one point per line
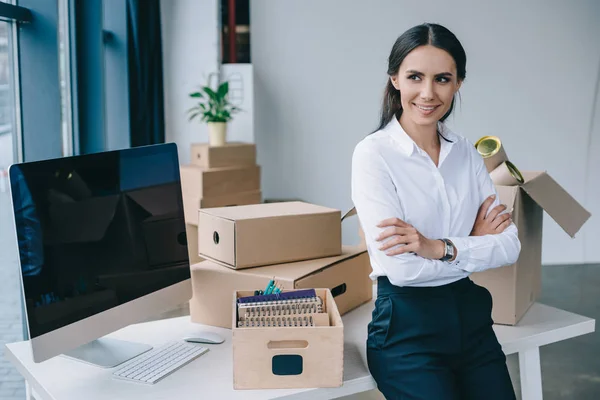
346 275
232 153
214 182
264 234
288 357
516 287
191 203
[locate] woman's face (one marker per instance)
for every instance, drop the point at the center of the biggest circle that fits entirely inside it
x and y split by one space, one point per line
427 83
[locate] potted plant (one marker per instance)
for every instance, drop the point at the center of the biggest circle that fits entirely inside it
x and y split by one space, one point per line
213 107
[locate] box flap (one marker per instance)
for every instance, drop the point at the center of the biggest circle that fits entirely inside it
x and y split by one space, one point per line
507 196
555 200
266 210
289 271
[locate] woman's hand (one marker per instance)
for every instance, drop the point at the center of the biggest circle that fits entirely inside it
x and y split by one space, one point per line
494 223
399 232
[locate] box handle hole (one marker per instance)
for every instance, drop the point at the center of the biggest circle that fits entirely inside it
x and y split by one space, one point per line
336 291
216 237
287 344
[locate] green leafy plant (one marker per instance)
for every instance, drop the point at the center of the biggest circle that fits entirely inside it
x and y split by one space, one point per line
213 106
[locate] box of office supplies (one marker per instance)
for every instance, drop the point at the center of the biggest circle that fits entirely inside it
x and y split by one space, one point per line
527 194
293 349
212 182
232 153
346 275
264 234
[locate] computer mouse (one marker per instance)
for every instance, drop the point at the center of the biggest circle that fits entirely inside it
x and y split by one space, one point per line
206 337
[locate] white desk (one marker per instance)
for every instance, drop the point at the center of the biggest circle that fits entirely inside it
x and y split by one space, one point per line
210 376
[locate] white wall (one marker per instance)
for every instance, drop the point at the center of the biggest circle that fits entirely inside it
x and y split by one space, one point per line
241 95
190 53
531 79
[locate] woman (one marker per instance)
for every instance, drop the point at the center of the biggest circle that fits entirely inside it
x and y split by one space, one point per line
424 200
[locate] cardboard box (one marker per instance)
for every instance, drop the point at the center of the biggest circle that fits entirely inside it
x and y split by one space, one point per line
317 352
516 287
192 239
346 275
264 234
231 154
214 182
191 203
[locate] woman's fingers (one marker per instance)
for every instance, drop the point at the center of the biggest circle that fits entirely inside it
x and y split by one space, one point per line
503 226
499 220
394 241
400 250
495 211
392 222
485 206
392 231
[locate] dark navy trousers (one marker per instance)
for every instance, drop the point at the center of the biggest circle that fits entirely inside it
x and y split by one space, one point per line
436 343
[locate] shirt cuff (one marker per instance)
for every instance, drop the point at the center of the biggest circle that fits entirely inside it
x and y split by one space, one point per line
462 255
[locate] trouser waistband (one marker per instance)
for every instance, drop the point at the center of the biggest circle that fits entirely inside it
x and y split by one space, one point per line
385 287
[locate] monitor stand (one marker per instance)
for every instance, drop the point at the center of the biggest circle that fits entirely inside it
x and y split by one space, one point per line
106 352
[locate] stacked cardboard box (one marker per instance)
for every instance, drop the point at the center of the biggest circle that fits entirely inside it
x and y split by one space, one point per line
295 243
218 177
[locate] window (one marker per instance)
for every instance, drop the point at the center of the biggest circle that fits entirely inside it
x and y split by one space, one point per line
9 134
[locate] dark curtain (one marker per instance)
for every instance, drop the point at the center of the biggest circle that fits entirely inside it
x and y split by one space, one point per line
145 72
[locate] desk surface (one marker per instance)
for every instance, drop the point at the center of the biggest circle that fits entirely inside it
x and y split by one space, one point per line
211 375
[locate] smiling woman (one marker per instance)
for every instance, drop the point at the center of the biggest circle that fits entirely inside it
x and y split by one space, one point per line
431 217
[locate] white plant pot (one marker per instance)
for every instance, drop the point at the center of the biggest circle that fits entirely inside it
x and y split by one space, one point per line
217 133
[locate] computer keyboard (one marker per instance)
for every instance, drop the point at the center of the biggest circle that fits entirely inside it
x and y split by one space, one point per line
152 366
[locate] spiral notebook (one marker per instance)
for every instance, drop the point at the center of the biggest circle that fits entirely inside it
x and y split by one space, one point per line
300 308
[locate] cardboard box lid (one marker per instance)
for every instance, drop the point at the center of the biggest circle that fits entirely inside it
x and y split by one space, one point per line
549 195
270 210
292 271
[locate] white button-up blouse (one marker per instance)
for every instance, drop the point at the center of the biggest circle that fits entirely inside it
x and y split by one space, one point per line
393 177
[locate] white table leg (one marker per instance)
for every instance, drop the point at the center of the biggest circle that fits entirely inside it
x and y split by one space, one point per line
531 374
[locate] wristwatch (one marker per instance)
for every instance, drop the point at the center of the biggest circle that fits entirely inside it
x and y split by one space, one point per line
449 250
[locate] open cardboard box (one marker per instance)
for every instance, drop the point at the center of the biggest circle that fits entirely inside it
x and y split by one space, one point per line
516 287
288 357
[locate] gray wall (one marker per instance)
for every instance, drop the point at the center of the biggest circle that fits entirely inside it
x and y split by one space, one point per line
532 75
190 54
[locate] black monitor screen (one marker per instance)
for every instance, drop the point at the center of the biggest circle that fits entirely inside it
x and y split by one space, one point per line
97 231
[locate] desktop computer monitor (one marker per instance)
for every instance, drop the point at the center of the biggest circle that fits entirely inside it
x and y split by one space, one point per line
102 245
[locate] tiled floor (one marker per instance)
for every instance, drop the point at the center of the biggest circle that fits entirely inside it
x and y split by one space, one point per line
570 369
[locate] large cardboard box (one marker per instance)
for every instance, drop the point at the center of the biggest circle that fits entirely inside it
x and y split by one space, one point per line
515 288
231 154
192 203
214 182
346 275
311 356
264 234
